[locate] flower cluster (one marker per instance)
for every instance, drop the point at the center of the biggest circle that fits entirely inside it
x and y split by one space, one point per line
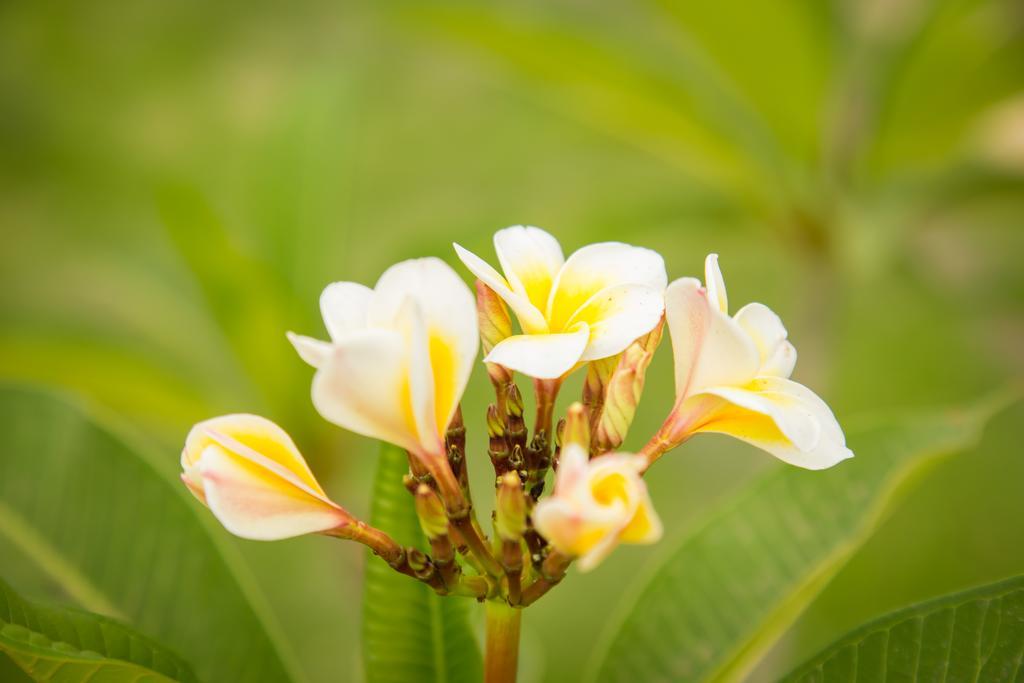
401 354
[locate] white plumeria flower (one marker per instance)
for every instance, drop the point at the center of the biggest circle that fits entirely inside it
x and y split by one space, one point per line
596 505
732 377
249 473
400 354
589 306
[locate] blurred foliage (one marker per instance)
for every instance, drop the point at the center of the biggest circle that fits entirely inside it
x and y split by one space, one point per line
179 180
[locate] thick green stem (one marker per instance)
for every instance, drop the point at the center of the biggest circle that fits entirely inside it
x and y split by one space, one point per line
502 655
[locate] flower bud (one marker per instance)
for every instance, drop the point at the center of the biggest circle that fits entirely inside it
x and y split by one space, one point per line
249 473
510 509
495 425
514 401
623 390
430 510
493 317
577 427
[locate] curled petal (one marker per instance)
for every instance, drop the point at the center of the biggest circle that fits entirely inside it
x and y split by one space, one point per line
715 283
617 316
529 316
599 266
709 347
313 351
543 356
344 307
531 259
764 327
781 362
777 415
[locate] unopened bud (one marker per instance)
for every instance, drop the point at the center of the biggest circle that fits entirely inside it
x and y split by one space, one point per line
493 317
577 427
514 401
623 391
430 510
516 460
510 511
417 560
495 425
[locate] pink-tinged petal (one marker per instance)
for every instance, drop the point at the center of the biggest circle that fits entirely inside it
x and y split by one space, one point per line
709 347
531 259
599 266
572 468
543 356
256 503
786 402
313 351
344 307
365 387
715 284
254 435
530 318
617 316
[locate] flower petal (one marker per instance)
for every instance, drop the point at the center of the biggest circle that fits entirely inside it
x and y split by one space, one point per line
596 267
543 356
709 347
531 259
313 351
253 502
365 387
764 327
344 307
618 316
258 434
780 363
783 405
715 283
794 420
530 318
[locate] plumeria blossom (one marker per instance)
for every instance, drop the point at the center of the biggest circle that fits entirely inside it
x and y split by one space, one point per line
596 505
589 306
732 377
399 357
249 473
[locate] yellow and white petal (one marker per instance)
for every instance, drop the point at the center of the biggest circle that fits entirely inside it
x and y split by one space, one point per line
365 387
344 307
254 502
618 316
793 418
542 356
780 363
313 351
764 327
715 284
531 259
599 266
709 347
761 427
530 317
258 434
572 468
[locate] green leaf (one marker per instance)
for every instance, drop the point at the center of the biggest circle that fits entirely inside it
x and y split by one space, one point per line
975 635
725 594
97 515
69 645
409 632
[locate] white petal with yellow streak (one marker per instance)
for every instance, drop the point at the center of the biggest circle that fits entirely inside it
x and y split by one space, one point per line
709 347
530 318
543 356
618 316
365 387
772 411
599 266
255 500
531 259
715 284
313 351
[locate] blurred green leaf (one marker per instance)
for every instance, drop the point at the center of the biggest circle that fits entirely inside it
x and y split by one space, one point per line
975 635
72 646
409 632
93 512
717 602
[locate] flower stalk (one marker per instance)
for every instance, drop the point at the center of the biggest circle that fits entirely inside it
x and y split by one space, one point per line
501 656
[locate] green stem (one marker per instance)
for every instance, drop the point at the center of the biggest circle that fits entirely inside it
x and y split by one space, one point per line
502 654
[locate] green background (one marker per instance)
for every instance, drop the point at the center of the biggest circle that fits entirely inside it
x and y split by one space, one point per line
178 181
